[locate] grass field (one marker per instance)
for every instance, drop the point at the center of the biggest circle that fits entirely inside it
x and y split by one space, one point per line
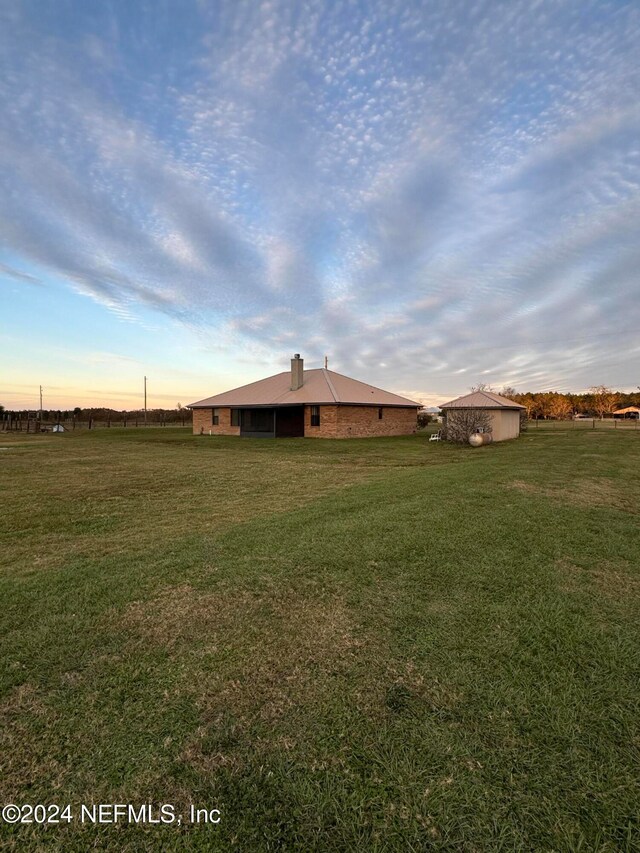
374 645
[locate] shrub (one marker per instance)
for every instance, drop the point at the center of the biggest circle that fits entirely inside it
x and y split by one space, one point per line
461 423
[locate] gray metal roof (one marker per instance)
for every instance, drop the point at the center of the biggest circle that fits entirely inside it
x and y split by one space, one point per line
481 400
320 386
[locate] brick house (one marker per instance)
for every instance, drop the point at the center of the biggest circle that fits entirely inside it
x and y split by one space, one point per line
314 403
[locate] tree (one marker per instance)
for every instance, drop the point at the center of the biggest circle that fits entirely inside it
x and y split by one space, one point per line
604 399
545 402
481 386
527 400
461 423
559 406
577 403
77 411
510 392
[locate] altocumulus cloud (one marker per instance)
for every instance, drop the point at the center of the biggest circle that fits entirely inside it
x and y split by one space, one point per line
435 193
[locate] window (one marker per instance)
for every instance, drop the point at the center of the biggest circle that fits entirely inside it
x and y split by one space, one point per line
315 415
215 416
235 417
380 413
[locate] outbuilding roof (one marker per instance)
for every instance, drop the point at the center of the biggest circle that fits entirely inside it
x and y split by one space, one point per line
481 400
628 410
320 386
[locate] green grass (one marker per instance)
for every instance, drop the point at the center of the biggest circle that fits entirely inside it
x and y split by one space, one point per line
380 645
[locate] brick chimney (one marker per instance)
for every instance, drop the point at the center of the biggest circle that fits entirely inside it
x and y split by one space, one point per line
297 372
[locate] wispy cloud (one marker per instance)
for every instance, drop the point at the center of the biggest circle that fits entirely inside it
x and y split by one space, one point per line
429 193
17 275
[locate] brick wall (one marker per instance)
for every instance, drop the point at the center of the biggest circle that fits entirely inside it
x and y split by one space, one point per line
203 422
363 421
360 422
328 423
335 422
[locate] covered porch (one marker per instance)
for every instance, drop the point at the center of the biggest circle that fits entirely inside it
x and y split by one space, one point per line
270 422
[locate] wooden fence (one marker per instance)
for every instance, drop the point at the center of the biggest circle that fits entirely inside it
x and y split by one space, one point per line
11 422
584 423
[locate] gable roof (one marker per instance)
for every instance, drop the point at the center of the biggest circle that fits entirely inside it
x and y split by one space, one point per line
320 386
481 400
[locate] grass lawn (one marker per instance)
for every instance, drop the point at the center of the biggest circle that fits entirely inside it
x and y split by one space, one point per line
365 645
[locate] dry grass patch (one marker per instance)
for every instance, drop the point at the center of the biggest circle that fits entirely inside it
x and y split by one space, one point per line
264 669
602 492
611 580
271 645
183 614
25 758
256 662
615 581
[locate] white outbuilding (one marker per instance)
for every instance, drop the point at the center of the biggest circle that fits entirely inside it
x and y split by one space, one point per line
57 428
504 413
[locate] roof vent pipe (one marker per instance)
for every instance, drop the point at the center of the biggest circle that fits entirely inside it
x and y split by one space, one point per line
297 372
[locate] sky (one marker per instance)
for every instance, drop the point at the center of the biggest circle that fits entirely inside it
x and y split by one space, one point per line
432 194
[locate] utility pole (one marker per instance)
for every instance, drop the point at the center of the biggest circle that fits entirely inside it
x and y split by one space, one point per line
326 362
145 400
41 404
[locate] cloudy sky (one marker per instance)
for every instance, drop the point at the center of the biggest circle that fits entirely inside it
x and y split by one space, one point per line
433 194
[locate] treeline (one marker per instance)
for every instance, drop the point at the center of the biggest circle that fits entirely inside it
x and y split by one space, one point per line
97 414
599 401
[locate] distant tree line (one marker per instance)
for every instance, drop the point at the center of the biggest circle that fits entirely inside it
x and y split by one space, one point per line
103 414
599 401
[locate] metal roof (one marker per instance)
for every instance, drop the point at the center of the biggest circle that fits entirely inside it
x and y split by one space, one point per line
320 386
481 400
627 410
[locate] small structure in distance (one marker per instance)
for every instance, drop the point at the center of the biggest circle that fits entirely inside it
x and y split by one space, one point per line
492 413
628 412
